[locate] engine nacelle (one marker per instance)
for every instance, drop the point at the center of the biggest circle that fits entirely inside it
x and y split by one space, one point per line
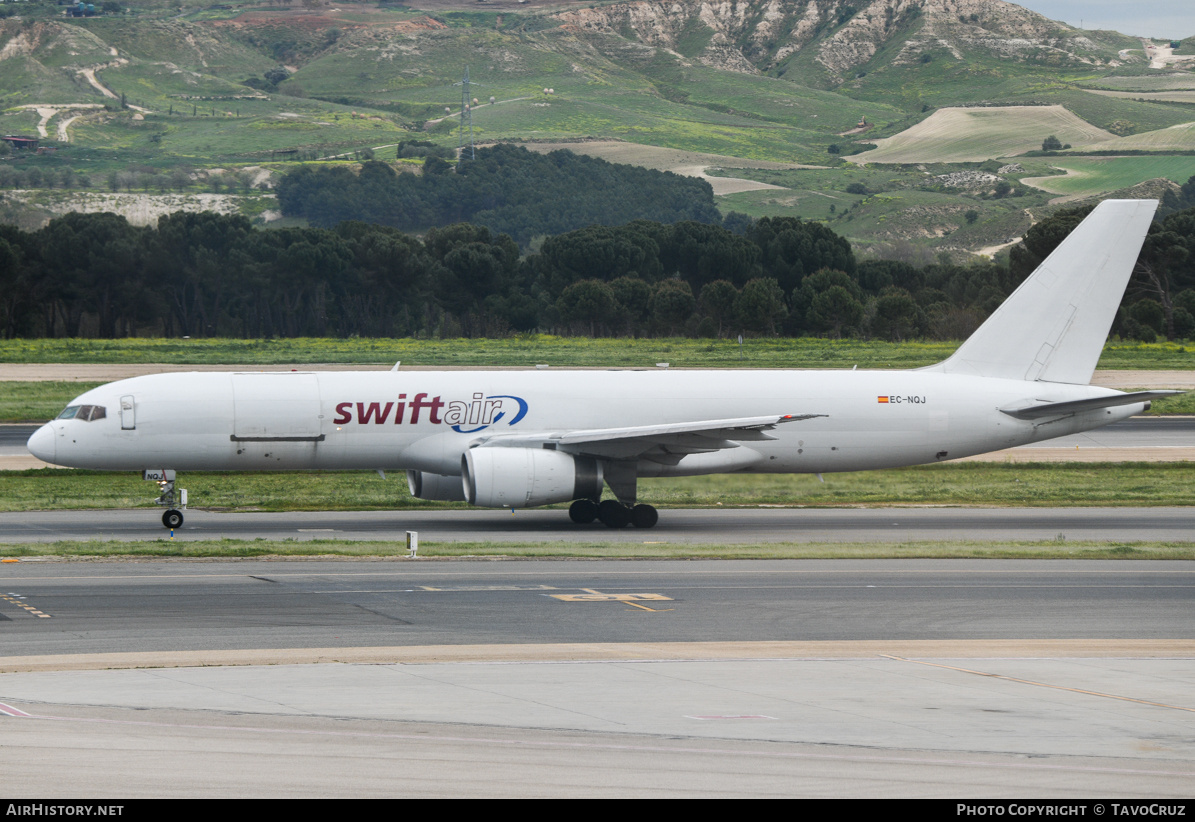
425 485
526 477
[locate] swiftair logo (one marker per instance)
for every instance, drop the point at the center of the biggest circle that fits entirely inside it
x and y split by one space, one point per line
480 413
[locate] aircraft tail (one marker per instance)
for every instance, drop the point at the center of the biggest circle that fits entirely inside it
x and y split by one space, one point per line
1053 327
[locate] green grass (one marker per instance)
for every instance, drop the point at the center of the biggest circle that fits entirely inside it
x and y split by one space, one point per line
38 401
229 548
1003 484
1147 83
902 202
528 350
202 130
1096 175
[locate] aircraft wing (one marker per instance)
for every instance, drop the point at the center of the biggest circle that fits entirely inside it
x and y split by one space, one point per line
667 440
1055 409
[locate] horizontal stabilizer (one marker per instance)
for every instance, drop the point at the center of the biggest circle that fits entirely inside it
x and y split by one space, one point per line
1054 409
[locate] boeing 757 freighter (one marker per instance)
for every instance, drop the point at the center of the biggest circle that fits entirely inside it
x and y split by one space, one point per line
518 439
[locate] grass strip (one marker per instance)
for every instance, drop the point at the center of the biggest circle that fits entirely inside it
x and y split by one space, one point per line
530 349
38 401
965 483
231 548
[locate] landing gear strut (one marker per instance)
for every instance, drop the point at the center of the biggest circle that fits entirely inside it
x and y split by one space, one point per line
174 500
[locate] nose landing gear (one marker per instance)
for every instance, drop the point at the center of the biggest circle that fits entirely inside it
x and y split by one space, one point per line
175 500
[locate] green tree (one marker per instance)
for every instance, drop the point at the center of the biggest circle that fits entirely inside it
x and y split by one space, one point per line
717 302
633 297
835 310
896 317
671 305
760 306
588 302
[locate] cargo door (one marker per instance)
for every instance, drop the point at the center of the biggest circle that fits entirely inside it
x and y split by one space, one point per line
276 408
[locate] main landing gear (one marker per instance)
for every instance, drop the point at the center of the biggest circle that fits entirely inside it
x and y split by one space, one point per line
613 514
616 513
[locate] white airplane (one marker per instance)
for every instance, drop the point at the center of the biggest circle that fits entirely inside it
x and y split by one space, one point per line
517 439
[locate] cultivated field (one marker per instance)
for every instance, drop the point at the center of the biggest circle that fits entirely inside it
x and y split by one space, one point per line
1150 82
1176 138
1088 176
1176 96
959 135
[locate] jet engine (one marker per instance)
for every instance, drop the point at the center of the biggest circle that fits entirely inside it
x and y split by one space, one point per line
425 485
526 477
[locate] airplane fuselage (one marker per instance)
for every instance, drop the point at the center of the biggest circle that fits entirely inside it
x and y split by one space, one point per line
426 420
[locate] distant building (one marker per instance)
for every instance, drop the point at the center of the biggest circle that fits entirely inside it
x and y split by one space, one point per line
18 141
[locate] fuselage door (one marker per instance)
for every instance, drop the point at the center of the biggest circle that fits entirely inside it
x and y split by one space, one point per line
128 413
276 407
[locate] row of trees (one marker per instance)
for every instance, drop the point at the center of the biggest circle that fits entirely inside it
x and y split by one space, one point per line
507 189
212 275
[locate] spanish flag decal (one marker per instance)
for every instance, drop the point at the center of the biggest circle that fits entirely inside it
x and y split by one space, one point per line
881 399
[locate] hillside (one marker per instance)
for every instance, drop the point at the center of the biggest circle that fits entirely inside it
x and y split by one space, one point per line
840 37
176 98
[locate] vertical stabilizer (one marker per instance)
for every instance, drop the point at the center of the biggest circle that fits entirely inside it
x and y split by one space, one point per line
1053 327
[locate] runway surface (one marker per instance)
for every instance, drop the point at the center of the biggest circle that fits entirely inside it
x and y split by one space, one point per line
692 526
216 606
794 678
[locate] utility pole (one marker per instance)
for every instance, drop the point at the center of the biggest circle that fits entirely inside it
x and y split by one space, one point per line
466 118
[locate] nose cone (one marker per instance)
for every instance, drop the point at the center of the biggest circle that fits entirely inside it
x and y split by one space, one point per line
41 444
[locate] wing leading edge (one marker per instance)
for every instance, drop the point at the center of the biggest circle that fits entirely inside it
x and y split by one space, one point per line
666 442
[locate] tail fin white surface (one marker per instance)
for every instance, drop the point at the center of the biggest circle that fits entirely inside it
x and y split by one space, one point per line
1053 327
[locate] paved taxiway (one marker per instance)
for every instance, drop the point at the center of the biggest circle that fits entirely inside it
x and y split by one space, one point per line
136 607
921 678
707 526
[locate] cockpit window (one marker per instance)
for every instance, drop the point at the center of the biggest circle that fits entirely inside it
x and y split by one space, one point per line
87 413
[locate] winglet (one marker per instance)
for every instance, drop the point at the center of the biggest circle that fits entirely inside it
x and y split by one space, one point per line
1053 327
